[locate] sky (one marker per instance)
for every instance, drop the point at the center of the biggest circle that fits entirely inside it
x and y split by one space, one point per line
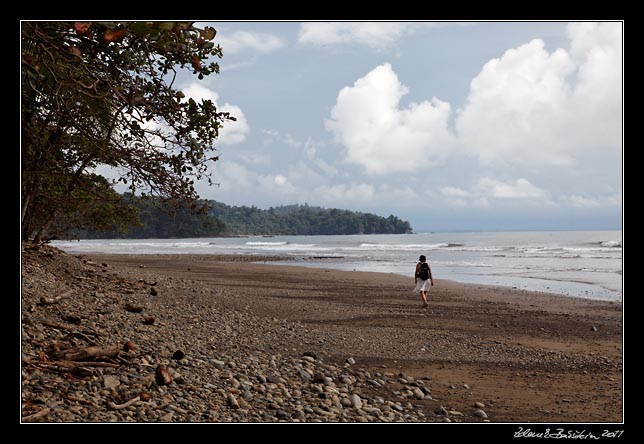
449 125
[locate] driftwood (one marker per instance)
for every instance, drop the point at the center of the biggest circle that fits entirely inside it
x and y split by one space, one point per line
39 414
125 405
50 301
79 368
82 353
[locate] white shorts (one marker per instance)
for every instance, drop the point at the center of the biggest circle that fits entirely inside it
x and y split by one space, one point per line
422 285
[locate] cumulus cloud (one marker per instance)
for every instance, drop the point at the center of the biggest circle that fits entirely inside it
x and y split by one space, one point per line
232 132
377 35
239 41
531 112
533 107
382 137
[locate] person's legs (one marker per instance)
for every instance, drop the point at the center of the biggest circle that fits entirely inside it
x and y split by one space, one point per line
423 294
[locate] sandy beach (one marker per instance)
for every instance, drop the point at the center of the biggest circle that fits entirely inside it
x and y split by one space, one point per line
293 343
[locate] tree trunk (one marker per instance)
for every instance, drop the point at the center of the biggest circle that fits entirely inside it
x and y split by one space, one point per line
70 187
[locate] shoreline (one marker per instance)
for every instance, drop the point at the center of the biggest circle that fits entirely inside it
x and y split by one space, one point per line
524 356
568 287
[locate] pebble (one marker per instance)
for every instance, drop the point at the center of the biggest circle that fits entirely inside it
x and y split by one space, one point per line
232 401
479 413
356 402
111 381
418 394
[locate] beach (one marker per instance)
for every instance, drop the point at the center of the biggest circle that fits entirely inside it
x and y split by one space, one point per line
265 342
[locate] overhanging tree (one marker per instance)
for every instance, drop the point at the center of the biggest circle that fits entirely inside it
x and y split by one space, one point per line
103 94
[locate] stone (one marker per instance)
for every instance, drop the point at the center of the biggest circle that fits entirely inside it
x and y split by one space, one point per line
243 404
418 394
167 417
479 413
162 376
351 361
355 401
310 354
593 328
318 378
111 381
232 401
479 405
281 414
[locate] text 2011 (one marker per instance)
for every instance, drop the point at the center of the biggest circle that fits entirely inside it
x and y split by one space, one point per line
566 434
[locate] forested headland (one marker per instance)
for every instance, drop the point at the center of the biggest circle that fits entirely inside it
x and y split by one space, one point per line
219 219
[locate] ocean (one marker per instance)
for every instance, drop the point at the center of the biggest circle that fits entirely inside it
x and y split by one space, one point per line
586 264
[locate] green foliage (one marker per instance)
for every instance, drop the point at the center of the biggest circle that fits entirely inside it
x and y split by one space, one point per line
101 93
305 220
158 220
176 219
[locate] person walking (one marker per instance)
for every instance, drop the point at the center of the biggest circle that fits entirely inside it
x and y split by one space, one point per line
423 278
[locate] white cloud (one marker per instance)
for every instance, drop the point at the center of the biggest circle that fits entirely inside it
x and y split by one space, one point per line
239 41
454 192
487 189
380 136
311 152
533 107
232 132
239 185
274 135
280 180
583 202
377 35
519 189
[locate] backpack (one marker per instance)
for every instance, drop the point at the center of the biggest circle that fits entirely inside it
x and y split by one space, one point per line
423 273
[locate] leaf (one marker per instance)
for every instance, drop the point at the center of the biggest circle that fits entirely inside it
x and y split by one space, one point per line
208 33
111 35
82 28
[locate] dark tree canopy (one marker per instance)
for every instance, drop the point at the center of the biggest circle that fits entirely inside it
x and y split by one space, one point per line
305 220
102 94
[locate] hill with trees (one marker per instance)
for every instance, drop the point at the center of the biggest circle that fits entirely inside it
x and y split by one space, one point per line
305 220
176 220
